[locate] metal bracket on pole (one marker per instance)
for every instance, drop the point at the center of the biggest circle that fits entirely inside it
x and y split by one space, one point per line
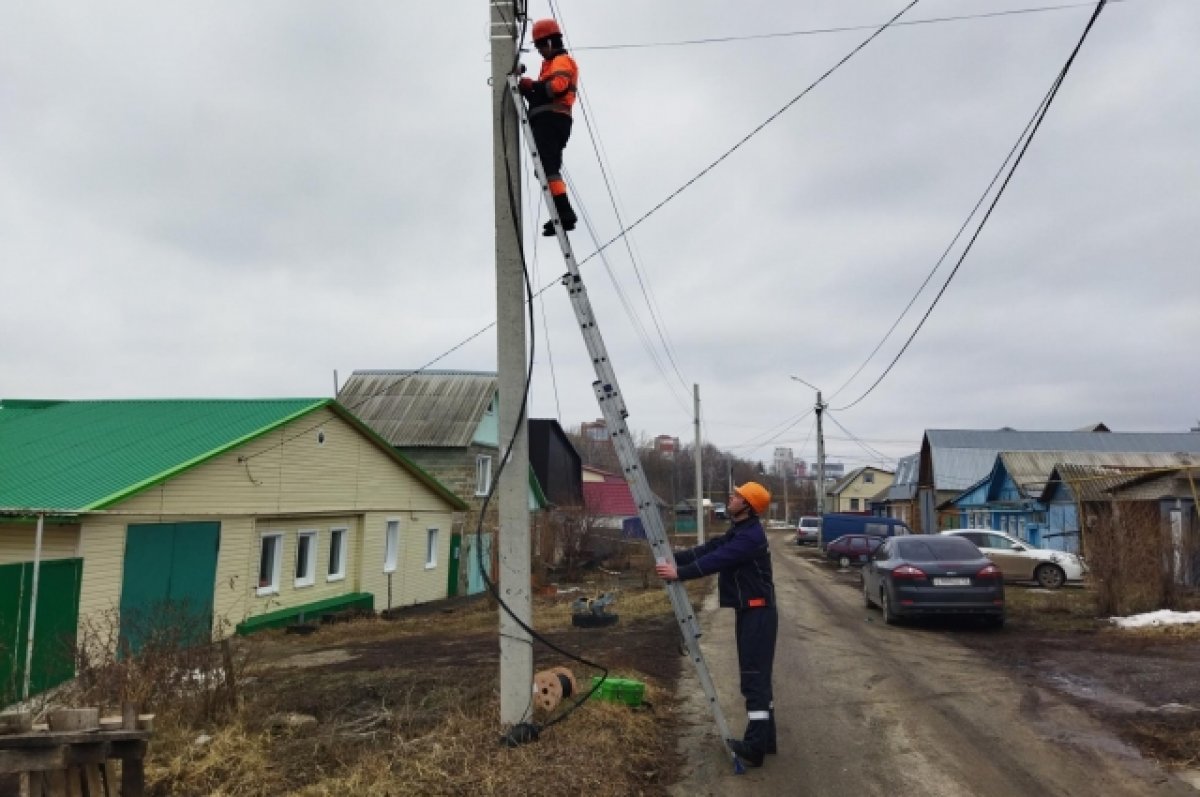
612 406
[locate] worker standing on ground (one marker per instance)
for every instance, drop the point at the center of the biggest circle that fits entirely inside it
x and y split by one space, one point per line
743 559
550 98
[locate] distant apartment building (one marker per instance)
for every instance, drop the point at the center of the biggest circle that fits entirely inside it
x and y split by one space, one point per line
784 462
666 445
596 431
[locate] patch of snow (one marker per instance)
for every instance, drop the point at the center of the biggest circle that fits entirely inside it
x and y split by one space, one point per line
1156 619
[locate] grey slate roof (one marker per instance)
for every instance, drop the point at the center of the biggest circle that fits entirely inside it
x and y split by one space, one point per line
961 457
423 408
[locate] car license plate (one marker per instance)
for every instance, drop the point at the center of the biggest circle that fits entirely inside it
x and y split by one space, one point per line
952 582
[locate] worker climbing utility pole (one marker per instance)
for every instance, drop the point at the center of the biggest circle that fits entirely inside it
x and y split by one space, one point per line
516 646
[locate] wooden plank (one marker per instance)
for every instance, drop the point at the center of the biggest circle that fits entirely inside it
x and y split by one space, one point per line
22 741
112 784
56 783
92 780
32 760
133 778
74 782
93 753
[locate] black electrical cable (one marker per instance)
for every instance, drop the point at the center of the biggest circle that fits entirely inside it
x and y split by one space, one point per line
1039 117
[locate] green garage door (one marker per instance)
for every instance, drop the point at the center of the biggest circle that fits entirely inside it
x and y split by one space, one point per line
54 635
167 587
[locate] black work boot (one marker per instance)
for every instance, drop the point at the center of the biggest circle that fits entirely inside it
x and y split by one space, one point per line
566 214
753 745
769 743
749 755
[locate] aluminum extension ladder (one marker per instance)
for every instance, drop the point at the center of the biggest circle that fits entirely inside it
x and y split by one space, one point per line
612 405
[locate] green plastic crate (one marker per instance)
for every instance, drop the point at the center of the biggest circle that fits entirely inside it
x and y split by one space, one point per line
619 690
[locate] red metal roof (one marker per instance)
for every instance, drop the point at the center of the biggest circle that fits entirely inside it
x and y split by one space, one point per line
609 498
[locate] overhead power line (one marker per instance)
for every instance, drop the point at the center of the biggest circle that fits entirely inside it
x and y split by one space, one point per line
625 231
1038 117
838 29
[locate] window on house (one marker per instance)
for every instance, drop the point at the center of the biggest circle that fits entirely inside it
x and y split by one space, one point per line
269 550
483 474
853 504
391 546
869 477
337 555
306 568
431 542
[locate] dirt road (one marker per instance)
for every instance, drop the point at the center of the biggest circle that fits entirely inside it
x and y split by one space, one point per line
868 709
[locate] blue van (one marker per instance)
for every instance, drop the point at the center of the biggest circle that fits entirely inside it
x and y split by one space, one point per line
835 525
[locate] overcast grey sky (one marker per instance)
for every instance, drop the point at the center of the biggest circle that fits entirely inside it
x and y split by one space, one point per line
235 199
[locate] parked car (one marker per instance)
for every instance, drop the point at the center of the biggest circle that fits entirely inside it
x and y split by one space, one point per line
1020 561
930 574
834 525
808 530
853 549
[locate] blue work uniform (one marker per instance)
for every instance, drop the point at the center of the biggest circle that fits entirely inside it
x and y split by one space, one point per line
742 559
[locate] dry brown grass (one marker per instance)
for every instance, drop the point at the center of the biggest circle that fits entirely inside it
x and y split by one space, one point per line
398 727
1065 609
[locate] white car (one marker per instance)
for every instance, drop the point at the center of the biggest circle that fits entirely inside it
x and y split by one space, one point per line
808 530
1020 561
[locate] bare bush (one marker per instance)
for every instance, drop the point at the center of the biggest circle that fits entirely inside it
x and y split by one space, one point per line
162 661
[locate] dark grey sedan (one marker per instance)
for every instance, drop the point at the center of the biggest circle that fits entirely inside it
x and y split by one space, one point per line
930 574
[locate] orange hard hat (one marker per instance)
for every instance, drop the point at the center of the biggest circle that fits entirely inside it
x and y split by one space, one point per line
545 27
755 495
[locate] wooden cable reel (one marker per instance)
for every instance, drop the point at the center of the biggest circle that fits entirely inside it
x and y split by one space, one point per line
551 686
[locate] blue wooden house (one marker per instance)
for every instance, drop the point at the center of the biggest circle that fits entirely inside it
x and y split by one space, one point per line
1025 496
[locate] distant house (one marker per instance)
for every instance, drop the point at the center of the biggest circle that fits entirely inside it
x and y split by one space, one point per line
447 422
204 515
1167 483
901 499
609 503
854 492
954 460
555 463
1010 497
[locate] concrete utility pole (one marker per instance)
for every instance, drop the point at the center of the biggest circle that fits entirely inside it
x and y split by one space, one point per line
699 478
516 646
820 409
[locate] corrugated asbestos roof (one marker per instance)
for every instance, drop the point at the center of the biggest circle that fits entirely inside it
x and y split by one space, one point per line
74 456
78 455
1031 469
1093 482
961 457
423 408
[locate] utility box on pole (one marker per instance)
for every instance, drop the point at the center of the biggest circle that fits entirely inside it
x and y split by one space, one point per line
516 646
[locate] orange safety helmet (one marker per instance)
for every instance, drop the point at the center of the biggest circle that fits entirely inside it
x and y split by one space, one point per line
544 28
755 495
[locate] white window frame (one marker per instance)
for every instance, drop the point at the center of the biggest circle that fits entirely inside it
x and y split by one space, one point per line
431 548
310 575
341 536
391 545
483 474
276 540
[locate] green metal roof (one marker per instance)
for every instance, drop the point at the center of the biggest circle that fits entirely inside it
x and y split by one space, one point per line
82 455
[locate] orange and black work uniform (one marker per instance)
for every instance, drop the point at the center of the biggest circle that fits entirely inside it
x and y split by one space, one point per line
550 99
742 558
